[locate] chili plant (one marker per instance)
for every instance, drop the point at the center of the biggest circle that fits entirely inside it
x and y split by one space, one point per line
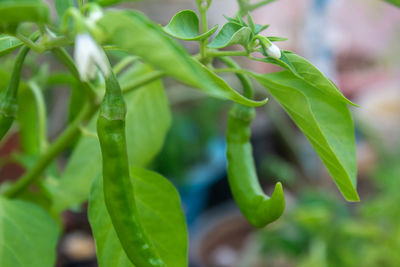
135 213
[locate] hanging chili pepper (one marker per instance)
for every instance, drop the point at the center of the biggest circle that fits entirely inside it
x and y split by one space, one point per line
8 101
255 205
118 187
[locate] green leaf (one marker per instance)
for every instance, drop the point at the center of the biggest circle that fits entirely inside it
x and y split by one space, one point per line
161 215
13 12
156 48
8 44
147 122
72 188
259 28
252 25
28 235
276 39
230 34
325 121
112 2
393 2
185 26
225 89
28 121
309 73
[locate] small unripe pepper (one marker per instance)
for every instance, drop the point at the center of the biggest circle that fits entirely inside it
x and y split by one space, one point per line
9 99
255 205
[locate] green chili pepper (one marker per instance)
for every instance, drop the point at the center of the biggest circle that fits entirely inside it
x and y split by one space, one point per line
8 101
118 187
255 205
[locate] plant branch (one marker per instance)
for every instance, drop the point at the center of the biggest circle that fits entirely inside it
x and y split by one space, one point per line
53 151
29 43
245 7
67 137
232 70
45 44
124 63
203 7
66 59
248 90
145 79
214 53
260 4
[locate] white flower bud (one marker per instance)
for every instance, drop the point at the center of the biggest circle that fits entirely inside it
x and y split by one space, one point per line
95 15
273 51
88 55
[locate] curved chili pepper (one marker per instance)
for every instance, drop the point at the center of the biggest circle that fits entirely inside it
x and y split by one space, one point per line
8 101
118 187
258 208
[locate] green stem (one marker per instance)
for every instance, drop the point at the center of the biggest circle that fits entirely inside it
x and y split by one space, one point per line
66 138
55 42
231 70
204 27
77 18
243 7
248 90
260 4
66 59
53 151
29 43
124 63
145 79
227 53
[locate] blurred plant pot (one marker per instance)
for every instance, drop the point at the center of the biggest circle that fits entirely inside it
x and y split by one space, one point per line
9 169
219 237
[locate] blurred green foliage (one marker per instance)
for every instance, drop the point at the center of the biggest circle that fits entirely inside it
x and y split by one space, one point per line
322 230
191 130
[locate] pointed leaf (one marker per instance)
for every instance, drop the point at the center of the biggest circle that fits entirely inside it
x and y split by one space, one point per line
394 2
230 34
259 28
252 25
309 73
225 89
156 48
160 213
8 44
13 12
28 235
276 39
325 121
185 26
233 20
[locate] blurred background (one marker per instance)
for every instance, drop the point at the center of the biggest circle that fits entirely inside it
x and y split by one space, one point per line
356 44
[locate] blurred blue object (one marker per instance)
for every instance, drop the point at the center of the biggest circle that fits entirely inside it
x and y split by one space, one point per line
195 191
